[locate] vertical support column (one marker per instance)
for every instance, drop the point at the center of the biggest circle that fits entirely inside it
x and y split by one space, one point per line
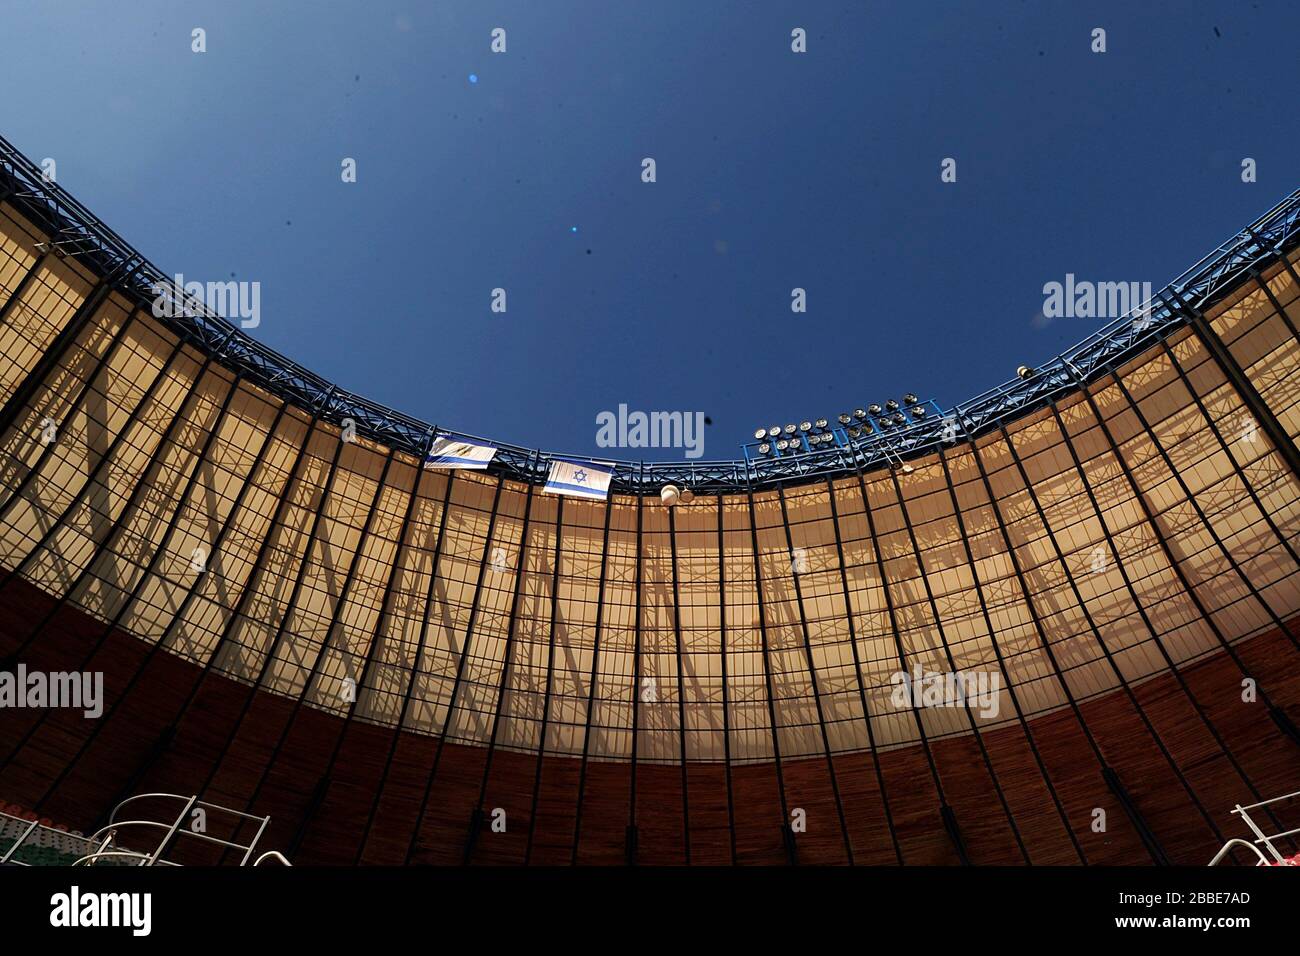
149 569
1237 376
1101 643
1002 664
460 672
476 817
946 814
952 664
591 682
812 677
409 693
550 672
787 835
399 552
857 672
631 844
1108 775
726 695
681 687
53 355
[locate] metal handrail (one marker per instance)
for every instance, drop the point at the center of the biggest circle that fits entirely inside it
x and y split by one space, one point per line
130 854
170 828
174 828
1264 803
76 232
1236 841
176 796
20 841
100 842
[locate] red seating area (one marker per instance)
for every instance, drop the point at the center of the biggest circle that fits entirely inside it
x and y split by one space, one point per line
22 813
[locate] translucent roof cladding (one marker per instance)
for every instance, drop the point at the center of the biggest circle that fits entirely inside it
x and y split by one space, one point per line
1079 549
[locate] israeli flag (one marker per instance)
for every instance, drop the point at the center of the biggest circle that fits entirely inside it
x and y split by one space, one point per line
453 453
579 479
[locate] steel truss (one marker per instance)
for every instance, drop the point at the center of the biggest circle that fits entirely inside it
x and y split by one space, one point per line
77 233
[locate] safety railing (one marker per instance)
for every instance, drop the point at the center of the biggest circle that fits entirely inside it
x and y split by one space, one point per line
1261 838
22 839
175 828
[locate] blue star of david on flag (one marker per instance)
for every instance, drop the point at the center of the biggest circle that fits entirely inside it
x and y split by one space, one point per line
580 480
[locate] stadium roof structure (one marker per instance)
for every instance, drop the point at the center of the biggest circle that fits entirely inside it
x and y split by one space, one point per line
1067 636
79 233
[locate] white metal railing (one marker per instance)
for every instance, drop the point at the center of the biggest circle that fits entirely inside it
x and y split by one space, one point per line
102 846
1261 838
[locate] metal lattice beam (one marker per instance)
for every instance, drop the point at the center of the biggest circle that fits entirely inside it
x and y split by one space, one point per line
77 233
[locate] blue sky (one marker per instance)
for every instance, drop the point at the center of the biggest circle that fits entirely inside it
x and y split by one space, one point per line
775 170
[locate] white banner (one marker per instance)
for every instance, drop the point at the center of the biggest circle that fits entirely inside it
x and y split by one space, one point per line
454 453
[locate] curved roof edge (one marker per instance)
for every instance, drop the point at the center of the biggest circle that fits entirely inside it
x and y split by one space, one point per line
77 233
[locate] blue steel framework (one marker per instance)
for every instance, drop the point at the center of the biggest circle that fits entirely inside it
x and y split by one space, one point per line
79 234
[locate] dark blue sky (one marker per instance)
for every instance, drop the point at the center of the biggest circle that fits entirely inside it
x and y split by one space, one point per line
775 171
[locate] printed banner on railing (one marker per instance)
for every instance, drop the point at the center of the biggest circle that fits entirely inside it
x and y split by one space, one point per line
580 479
454 453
